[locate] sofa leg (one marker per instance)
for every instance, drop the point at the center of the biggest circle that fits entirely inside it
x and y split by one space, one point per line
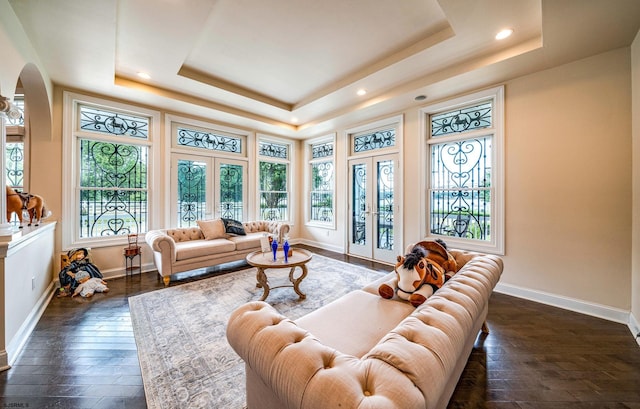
485 328
166 280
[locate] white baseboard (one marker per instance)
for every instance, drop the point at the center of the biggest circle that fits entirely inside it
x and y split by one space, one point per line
634 326
320 245
119 272
17 343
571 304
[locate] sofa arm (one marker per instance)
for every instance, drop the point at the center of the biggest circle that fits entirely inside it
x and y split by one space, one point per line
280 230
275 228
161 242
300 370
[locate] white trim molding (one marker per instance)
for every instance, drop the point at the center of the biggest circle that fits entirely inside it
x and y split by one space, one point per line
566 303
634 326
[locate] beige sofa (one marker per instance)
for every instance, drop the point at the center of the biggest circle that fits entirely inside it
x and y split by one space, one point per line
362 351
184 249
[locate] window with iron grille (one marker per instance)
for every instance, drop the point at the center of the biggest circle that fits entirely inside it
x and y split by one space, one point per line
273 184
15 147
112 147
321 203
465 193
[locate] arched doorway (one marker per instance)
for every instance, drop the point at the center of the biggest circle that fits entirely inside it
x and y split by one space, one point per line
25 295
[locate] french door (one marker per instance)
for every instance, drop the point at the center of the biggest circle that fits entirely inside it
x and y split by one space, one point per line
204 187
373 207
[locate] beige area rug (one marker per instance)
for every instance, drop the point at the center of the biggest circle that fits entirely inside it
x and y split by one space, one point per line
184 356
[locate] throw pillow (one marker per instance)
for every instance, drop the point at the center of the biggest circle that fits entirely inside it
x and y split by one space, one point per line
212 229
234 227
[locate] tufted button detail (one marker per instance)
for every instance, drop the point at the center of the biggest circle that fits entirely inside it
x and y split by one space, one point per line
367 393
327 362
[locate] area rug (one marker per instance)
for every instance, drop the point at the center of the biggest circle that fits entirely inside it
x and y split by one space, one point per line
184 356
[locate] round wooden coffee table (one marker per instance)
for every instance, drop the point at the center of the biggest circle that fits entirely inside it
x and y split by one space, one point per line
264 261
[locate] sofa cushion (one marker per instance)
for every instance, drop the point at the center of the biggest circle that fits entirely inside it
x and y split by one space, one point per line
369 318
198 248
212 229
233 227
247 242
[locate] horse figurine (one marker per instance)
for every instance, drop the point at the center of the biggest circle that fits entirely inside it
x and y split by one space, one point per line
17 202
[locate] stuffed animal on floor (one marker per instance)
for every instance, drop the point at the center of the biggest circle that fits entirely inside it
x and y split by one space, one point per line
88 286
74 261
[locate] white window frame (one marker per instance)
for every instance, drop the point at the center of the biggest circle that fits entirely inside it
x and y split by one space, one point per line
496 94
71 166
172 122
290 178
309 183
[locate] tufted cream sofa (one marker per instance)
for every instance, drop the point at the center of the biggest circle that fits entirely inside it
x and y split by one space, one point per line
184 249
362 351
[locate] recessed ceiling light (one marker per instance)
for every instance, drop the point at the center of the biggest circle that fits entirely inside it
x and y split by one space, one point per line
144 75
361 92
294 120
420 98
502 34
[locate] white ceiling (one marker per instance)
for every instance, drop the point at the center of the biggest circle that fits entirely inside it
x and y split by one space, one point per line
260 64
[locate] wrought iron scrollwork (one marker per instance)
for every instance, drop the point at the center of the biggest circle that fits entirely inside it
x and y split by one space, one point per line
113 183
273 150
191 192
465 119
15 164
322 191
208 140
359 196
231 190
461 191
100 120
385 205
322 150
374 140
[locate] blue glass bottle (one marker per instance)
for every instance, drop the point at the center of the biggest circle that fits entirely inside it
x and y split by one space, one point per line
285 247
274 248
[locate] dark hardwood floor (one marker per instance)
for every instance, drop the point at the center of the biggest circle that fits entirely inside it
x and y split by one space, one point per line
82 354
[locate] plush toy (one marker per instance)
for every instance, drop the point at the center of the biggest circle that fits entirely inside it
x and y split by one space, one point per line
416 278
89 285
74 261
424 269
438 252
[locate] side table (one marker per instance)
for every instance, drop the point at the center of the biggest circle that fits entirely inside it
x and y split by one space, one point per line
130 253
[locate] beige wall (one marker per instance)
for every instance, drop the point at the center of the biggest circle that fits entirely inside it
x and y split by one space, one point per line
635 278
568 160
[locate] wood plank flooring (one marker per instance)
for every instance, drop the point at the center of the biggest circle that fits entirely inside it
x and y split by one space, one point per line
82 354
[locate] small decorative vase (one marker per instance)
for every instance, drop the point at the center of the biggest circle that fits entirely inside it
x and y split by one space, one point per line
274 248
285 247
